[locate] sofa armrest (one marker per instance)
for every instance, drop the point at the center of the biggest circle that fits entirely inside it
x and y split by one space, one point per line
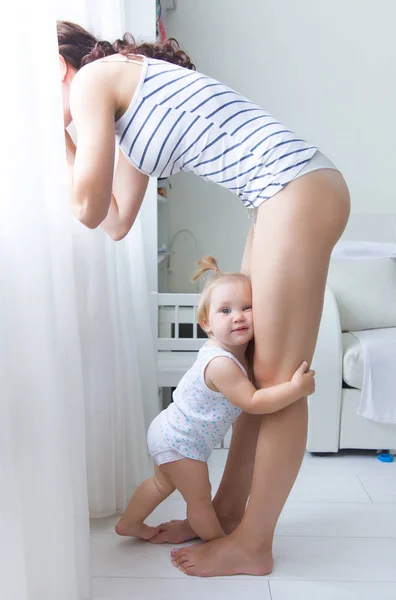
325 404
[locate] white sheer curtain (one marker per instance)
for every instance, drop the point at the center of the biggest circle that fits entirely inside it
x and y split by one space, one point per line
116 339
71 382
109 280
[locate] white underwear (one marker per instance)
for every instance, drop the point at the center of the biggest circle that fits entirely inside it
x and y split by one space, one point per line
317 162
158 448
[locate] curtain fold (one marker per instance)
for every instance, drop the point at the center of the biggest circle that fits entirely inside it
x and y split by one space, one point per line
43 502
107 290
72 373
114 322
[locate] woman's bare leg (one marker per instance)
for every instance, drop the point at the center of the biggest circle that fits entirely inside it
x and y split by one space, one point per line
234 489
295 233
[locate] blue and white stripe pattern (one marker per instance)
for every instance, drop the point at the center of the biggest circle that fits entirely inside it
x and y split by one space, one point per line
181 120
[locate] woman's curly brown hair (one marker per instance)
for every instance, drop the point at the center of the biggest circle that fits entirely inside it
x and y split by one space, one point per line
79 47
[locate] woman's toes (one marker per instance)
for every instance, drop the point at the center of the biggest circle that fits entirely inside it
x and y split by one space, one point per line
177 561
186 564
175 552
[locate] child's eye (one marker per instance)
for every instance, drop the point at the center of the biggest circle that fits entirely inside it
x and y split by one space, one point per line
248 307
225 311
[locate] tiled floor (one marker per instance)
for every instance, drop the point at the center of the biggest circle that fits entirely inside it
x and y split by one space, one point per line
335 540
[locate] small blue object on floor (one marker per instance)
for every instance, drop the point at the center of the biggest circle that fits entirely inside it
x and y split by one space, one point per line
385 457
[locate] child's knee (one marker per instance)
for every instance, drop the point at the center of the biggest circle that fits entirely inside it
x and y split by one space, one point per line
163 484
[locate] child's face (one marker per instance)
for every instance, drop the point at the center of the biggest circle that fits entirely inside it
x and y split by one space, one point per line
230 318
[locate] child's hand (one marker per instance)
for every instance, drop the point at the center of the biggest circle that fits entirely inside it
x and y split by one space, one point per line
304 380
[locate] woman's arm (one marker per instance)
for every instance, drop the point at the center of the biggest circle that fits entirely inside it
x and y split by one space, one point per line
95 197
129 188
224 375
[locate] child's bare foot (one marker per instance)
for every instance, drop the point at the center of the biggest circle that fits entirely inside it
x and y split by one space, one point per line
139 530
176 532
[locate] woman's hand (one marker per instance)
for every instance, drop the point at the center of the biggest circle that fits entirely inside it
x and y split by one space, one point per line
304 380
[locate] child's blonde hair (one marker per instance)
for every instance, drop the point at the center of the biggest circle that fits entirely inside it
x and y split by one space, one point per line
209 263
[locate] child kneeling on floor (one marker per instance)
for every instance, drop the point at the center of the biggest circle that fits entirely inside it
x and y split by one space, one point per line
207 401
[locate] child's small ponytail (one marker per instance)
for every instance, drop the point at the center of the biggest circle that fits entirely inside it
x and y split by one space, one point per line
207 263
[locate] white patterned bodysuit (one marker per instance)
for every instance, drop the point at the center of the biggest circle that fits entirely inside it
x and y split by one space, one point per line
197 419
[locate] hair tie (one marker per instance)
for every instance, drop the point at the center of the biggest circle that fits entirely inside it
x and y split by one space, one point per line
217 270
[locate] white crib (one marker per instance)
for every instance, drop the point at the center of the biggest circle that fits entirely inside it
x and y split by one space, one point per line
177 351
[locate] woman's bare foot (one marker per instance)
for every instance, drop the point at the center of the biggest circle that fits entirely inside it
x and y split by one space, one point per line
139 530
176 532
223 556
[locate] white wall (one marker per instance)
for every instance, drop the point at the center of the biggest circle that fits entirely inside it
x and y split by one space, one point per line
326 69
140 19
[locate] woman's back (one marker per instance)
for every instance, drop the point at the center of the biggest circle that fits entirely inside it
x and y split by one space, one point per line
181 120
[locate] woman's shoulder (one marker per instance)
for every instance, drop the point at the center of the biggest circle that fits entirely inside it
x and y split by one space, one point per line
111 79
111 67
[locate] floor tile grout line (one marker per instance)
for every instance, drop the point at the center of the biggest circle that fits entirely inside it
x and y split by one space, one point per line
293 502
301 535
370 502
367 502
217 578
338 537
268 578
337 502
287 535
333 581
362 484
269 589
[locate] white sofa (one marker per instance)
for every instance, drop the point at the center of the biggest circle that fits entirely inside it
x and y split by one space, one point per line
360 295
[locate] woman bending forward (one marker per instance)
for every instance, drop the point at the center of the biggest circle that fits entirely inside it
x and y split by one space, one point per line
166 118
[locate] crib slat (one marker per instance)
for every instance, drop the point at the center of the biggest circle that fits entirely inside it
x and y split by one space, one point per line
180 345
180 299
195 326
177 322
172 310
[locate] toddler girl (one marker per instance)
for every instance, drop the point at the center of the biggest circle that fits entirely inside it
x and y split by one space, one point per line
207 401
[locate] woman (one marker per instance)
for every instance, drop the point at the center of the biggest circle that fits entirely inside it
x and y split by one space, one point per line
167 118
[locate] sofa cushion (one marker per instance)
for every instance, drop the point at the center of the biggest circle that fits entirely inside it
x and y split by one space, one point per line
353 361
365 291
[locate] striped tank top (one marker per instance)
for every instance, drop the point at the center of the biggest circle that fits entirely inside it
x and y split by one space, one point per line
181 120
